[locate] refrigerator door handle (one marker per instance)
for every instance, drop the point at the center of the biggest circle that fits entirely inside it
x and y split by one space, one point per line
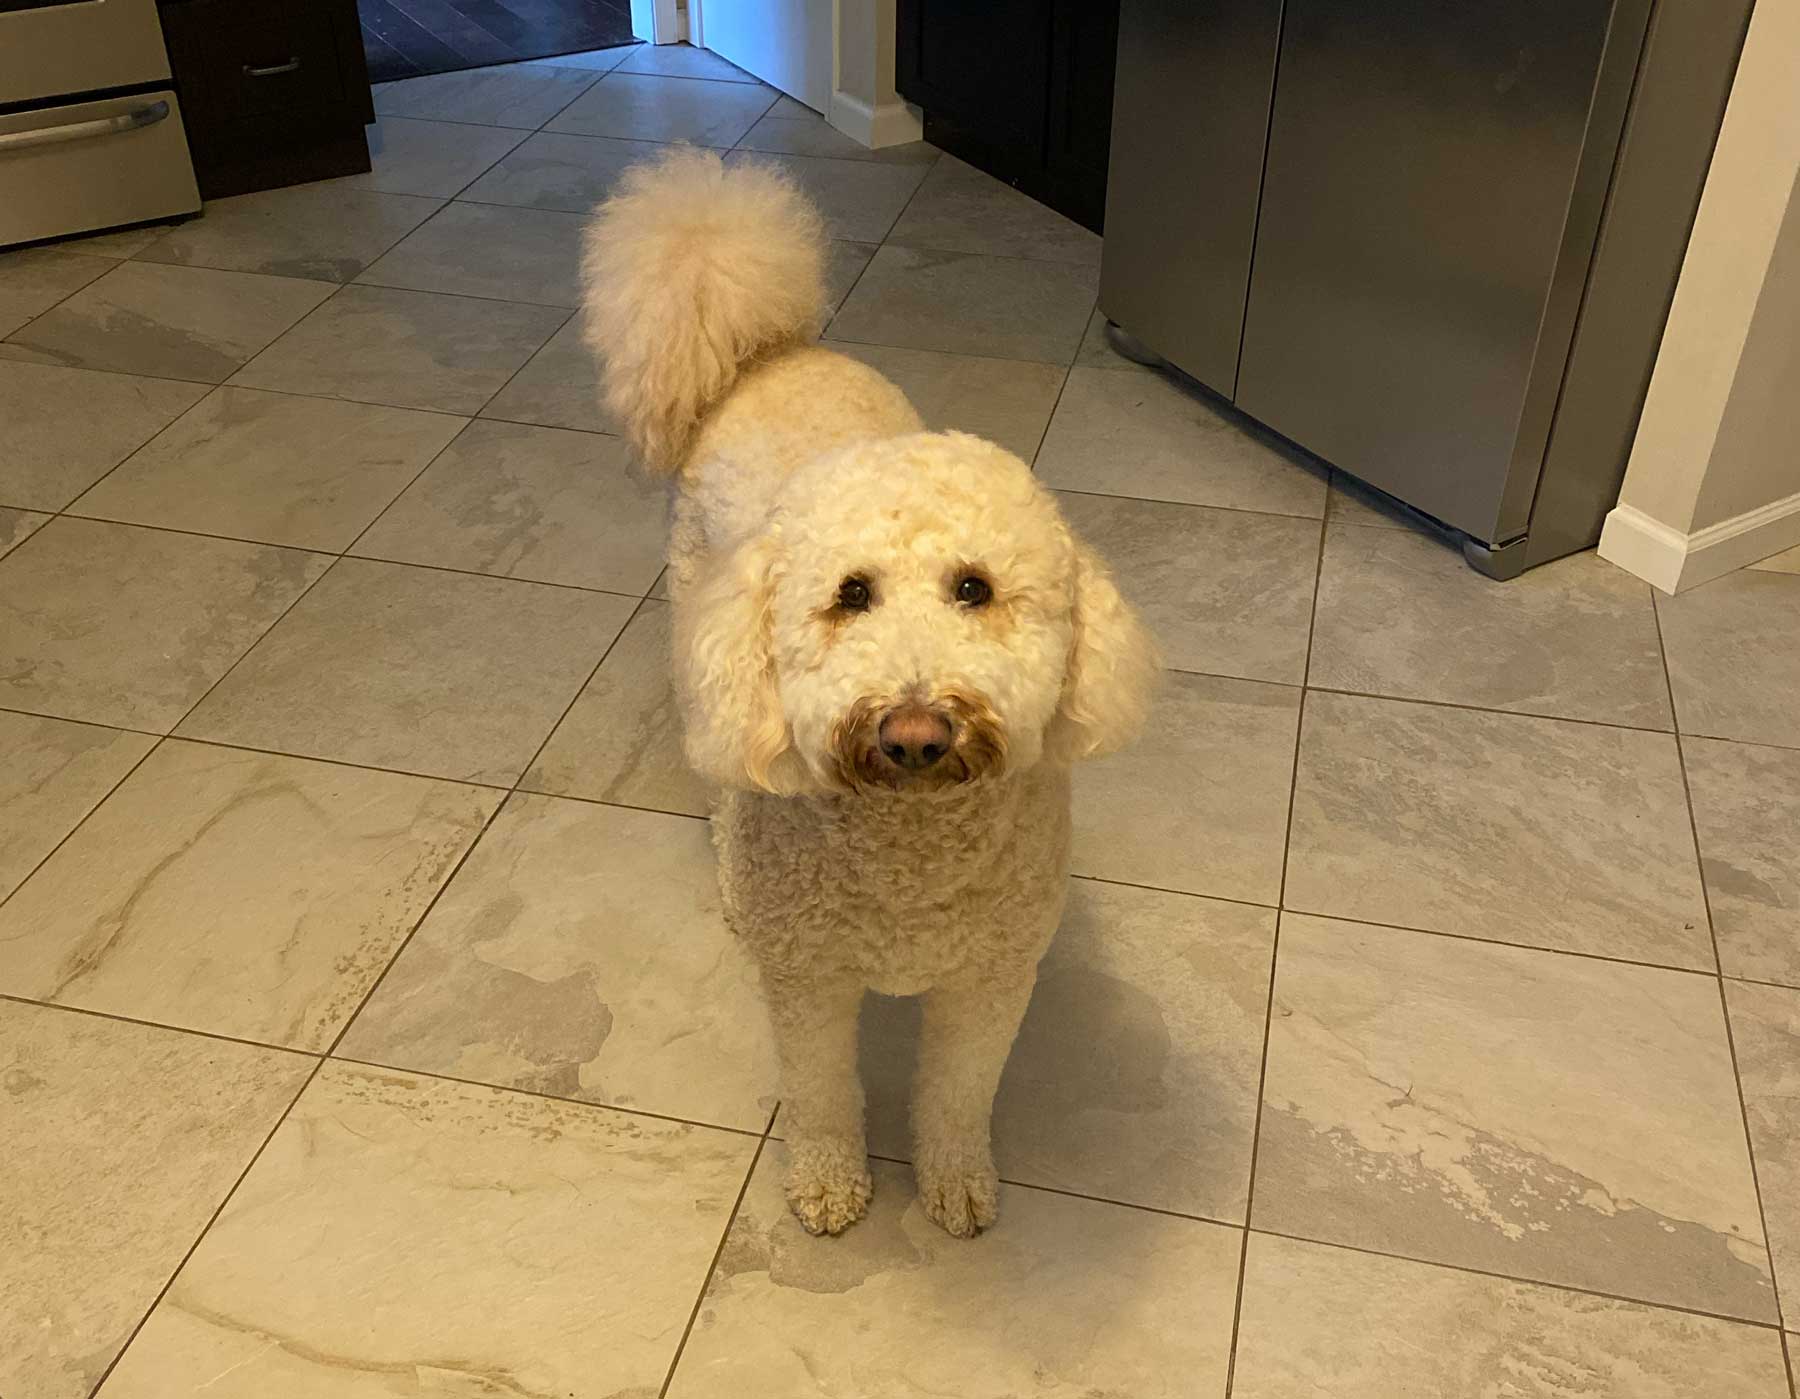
147 115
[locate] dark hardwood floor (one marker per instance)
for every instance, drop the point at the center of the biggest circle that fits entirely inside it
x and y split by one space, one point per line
405 38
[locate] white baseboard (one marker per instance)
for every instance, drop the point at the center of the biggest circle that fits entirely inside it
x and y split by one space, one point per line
890 124
1672 561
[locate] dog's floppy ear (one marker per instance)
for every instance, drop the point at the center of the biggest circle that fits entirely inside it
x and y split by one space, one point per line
736 733
1113 668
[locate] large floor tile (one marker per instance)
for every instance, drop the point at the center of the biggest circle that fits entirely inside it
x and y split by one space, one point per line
406 348
530 502
116 625
442 674
322 231
1747 815
596 60
1533 831
558 387
121 1140
1400 613
16 526
1062 1299
1732 657
280 469
786 131
967 304
557 171
1200 802
1520 1112
580 952
1765 1026
845 262
962 210
52 773
520 94
65 428
1227 592
1788 561
1004 400
681 61
621 741
403 1234
640 107
436 158
237 893
33 280
1137 434
1329 1321
490 250
1354 503
1134 1075
194 323
860 199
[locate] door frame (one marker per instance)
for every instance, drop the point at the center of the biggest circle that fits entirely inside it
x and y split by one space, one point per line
660 22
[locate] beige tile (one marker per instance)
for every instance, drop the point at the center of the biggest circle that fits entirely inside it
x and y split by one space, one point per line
442 674
52 773
1005 401
681 61
1746 813
1554 1118
597 60
1146 435
195 323
436 158
1353 503
237 893
1200 803
786 106
960 209
530 502
556 171
310 472
323 231
1733 659
121 242
639 107
844 265
406 348
1401 614
121 1140
621 741
1135 1073
1062 1299
1327 1321
489 250
580 952
787 132
32 280
860 199
522 95
16 526
1533 831
558 387
116 625
402 1234
1226 592
1765 1025
67 427
1788 561
967 304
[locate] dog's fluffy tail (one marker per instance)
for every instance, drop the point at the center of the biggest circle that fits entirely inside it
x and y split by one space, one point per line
692 269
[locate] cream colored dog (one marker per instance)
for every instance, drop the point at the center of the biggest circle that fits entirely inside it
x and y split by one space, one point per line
888 650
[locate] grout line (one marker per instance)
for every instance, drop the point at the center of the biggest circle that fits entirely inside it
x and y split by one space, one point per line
123 1019
575 698
1056 403
525 791
1180 504
70 833
1793 1371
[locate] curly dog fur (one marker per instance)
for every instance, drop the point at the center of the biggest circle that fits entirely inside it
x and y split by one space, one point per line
889 650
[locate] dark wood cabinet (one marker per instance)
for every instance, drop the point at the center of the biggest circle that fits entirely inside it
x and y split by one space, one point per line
273 92
1022 89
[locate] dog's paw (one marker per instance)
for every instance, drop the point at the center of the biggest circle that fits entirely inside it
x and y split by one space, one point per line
962 1195
828 1186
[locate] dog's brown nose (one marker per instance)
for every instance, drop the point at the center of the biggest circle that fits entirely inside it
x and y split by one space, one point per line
914 737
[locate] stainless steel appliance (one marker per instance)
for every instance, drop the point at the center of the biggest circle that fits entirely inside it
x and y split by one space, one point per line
1432 244
90 126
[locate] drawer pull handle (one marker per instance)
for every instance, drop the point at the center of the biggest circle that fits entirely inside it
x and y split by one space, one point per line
273 70
147 115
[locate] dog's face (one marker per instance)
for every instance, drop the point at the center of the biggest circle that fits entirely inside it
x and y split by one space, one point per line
916 615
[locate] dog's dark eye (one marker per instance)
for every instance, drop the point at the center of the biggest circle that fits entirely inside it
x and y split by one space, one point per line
853 595
973 590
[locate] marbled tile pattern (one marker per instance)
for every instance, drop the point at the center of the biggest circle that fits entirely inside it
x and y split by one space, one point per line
1352 983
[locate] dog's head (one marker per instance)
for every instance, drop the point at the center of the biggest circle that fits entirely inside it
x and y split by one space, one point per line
915 615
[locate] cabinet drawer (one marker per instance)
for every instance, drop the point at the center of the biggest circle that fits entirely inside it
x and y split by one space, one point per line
257 60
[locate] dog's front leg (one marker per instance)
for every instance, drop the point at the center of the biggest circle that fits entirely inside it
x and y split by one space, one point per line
968 1031
828 1180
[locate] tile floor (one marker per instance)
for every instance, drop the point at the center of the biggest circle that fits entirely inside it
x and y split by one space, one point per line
1427 1017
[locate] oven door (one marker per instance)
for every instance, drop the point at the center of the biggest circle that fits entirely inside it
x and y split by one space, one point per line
58 48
